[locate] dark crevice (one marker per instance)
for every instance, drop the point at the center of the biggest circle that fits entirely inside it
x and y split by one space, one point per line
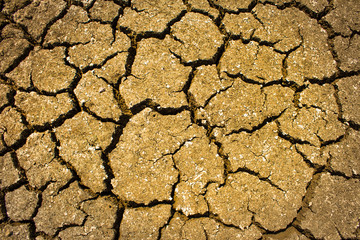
239 10
153 203
317 167
291 139
66 226
257 127
19 59
159 35
97 117
49 24
118 219
258 175
97 66
216 93
149 103
19 143
305 232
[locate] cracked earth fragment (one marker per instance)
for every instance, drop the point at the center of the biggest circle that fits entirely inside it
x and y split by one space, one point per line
204 45
20 204
348 52
348 96
147 157
40 109
264 156
100 217
259 63
144 223
66 203
96 95
84 152
146 16
250 106
36 16
156 74
331 196
9 174
44 69
37 158
344 18
11 127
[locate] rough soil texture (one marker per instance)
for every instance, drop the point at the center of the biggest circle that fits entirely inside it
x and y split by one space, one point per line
180 119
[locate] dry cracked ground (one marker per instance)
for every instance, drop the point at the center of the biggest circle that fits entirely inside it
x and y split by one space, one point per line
170 119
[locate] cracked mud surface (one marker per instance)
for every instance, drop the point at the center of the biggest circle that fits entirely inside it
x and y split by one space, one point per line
193 119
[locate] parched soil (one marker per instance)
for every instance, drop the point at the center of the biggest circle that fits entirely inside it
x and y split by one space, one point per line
171 119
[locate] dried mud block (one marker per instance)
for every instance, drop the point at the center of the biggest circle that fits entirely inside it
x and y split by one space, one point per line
311 60
188 201
319 96
349 98
37 158
290 29
157 75
344 18
348 52
5 90
37 15
333 211
100 48
273 190
233 5
41 109
82 140
311 125
144 16
206 83
172 231
15 231
59 209
245 196
345 155
71 28
200 38
45 68
11 127
253 61
281 27
96 95
104 11
142 163
244 106
144 223
101 215
243 24
21 203
198 164
12 49
9 175
314 154
270 156
12 31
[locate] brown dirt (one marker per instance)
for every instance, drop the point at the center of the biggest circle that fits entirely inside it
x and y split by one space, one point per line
171 119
